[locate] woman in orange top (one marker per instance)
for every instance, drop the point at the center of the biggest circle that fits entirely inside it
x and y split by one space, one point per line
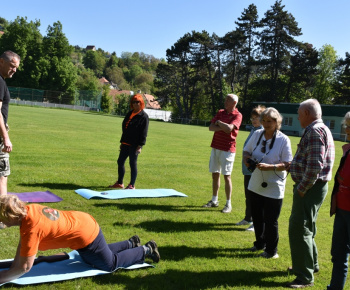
43 228
135 128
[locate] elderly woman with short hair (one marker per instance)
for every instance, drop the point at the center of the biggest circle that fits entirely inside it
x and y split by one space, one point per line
43 228
267 154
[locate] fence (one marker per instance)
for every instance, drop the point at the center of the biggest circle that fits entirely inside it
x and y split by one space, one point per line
79 98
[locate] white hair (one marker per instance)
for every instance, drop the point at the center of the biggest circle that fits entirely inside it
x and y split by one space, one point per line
233 97
346 118
313 106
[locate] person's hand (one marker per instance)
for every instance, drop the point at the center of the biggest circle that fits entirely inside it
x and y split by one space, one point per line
301 194
7 146
264 166
138 150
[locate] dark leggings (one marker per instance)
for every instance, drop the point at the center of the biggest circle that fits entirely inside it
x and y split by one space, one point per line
109 257
125 152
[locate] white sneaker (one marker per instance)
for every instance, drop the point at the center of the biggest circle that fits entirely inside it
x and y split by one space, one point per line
227 209
243 222
251 228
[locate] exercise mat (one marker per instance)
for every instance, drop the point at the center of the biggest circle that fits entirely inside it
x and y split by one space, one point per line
38 196
129 193
68 269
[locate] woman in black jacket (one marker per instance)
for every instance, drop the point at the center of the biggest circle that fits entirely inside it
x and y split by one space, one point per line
135 128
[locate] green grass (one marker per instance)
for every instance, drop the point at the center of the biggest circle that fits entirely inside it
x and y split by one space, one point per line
61 150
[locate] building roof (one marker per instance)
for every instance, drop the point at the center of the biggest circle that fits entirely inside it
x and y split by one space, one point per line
91 47
151 103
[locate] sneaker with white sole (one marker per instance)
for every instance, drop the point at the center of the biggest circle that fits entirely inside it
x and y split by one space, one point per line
211 204
227 209
154 253
266 255
243 222
251 228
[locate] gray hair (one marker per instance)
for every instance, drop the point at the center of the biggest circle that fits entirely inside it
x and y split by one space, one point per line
233 97
346 118
8 55
274 115
313 106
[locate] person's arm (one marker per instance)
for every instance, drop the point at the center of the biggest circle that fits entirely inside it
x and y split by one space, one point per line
276 167
19 267
4 134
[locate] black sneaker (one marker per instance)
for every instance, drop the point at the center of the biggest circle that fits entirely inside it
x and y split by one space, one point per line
154 255
135 241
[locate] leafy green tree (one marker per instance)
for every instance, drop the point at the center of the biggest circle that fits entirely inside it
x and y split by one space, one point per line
301 73
106 100
277 41
24 38
324 91
88 81
96 61
342 86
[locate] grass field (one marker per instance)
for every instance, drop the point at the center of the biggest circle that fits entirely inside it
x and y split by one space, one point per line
60 151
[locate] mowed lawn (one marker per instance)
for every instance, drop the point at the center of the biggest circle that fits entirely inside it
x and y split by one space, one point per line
61 150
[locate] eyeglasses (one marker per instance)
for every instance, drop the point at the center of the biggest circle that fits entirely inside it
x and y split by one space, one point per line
263 148
135 102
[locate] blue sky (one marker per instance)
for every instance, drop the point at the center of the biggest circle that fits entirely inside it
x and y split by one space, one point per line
154 26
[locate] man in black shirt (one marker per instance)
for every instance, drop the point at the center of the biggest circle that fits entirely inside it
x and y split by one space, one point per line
9 62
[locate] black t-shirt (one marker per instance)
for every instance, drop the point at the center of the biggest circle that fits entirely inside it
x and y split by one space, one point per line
4 98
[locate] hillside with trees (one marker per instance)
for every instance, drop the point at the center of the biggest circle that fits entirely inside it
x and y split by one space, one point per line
260 59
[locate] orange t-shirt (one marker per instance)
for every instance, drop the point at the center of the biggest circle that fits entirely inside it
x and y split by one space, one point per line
45 228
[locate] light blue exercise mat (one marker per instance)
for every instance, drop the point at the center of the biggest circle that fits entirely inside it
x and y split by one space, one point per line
69 269
129 193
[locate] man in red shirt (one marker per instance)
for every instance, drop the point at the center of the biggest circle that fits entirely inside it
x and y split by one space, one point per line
225 125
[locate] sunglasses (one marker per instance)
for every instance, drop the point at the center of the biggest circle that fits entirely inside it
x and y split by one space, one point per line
135 102
263 148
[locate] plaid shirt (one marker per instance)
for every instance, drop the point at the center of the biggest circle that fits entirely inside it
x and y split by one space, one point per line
314 158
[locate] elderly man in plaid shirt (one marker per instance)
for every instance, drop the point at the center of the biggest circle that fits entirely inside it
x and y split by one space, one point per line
311 169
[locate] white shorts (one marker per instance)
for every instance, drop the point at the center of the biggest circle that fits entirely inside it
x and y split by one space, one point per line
221 161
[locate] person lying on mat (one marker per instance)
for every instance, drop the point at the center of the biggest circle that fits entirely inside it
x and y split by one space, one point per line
43 228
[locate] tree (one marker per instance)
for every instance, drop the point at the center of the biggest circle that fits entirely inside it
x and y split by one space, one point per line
247 35
301 73
342 85
324 92
96 61
24 38
276 44
106 100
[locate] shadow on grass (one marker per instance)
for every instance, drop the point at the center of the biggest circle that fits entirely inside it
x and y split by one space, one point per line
166 226
155 207
60 186
177 279
180 253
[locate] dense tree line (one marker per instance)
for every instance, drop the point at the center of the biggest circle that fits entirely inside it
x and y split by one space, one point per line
50 63
261 60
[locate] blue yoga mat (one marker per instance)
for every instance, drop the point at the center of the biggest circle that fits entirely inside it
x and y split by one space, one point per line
128 193
69 269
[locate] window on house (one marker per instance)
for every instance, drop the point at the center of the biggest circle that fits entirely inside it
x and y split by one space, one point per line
330 123
288 121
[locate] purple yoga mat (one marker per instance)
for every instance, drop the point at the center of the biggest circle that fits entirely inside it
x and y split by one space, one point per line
38 196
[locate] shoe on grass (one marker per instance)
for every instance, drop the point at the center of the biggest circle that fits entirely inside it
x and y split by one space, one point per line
243 222
299 284
154 254
211 204
130 186
266 255
117 185
227 209
255 249
135 241
251 228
